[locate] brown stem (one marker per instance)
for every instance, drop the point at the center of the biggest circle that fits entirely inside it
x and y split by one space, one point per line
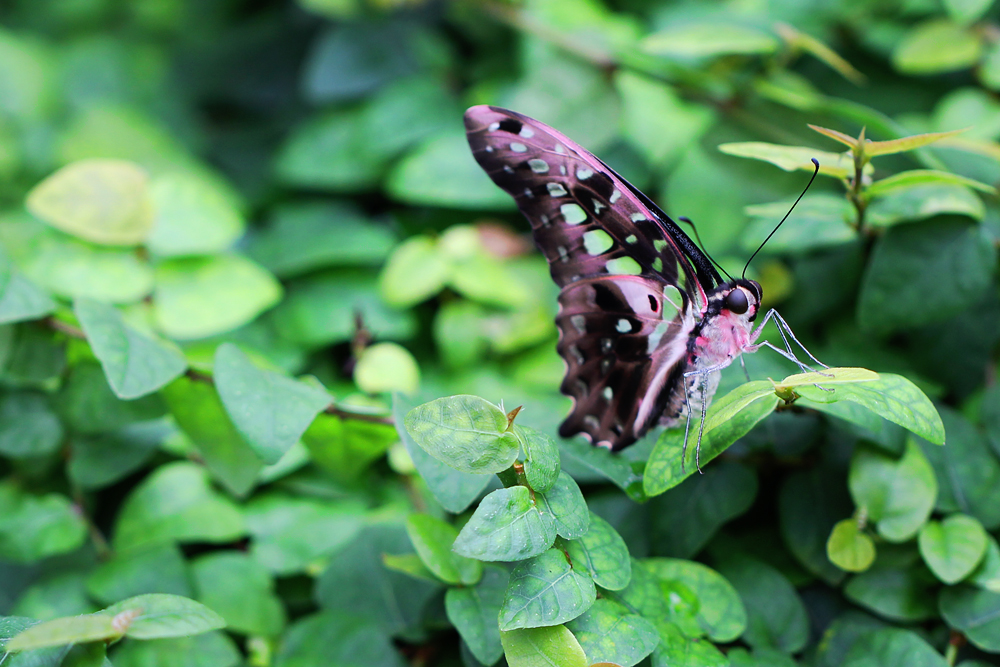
63 327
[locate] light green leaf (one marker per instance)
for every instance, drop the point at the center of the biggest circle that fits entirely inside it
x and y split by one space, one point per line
966 11
601 551
543 647
387 367
541 458
820 220
717 607
974 612
20 299
33 527
416 270
157 615
154 569
791 158
987 573
915 177
565 503
134 363
61 631
505 527
897 494
729 418
829 376
953 547
205 296
474 611
644 594
433 539
545 591
271 411
700 40
677 650
194 215
176 503
937 46
924 201
211 649
198 410
609 633
893 397
99 200
903 144
466 432
850 549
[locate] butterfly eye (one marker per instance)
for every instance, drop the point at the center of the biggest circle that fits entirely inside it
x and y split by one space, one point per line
736 302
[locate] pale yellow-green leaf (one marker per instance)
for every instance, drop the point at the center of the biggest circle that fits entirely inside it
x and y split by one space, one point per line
916 177
387 367
873 148
790 158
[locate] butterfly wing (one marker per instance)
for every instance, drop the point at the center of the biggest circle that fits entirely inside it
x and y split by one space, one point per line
631 296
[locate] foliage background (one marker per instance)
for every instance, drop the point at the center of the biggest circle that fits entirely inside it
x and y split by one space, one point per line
306 162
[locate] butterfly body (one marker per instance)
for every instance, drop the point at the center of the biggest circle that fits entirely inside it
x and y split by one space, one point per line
645 320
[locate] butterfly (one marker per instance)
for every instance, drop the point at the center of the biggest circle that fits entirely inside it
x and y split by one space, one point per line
645 321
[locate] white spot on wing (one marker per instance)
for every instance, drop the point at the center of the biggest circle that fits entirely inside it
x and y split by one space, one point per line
579 323
538 166
583 173
494 127
573 213
624 326
615 196
608 393
518 147
556 189
527 132
638 217
559 149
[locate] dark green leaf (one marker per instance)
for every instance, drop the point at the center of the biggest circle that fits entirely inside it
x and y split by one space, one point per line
153 569
474 612
776 616
820 220
211 649
897 494
602 552
719 611
974 612
33 527
609 633
97 461
433 538
134 363
952 548
541 458
810 503
643 595
271 411
677 650
506 526
925 272
339 638
987 573
20 299
893 646
28 427
924 201
88 404
545 590
241 590
896 593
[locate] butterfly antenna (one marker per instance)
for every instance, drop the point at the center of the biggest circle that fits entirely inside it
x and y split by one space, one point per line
804 190
697 237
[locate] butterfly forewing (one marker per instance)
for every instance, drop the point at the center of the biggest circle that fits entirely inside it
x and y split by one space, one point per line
630 298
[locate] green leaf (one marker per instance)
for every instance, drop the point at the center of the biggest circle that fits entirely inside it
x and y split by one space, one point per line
241 591
966 470
952 548
644 594
776 616
455 490
153 569
88 405
336 638
609 633
896 494
319 310
903 144
442 172
271 411
432 538
211 649
20 299
820 220
966 11
506 526
545 590
466 432
356 582
974 612
99 200
709 39
910 179
718 610
176 503
204 296
675 649
416 270
157 615
195 215
729 418
292 533
199 412
134 363
541 458
899 594
543 647
987 573
387 367
304 236
565 503
601 551
924 201
33 527
893 646
936 46
61 631
850 549
28 426
809 505
474 611
792 158
893 397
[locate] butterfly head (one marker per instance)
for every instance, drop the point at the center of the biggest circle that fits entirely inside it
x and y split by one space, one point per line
740 297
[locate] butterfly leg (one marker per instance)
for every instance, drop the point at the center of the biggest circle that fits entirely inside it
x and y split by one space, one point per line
785 332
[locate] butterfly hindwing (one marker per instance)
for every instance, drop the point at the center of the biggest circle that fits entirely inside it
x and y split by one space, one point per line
630 297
